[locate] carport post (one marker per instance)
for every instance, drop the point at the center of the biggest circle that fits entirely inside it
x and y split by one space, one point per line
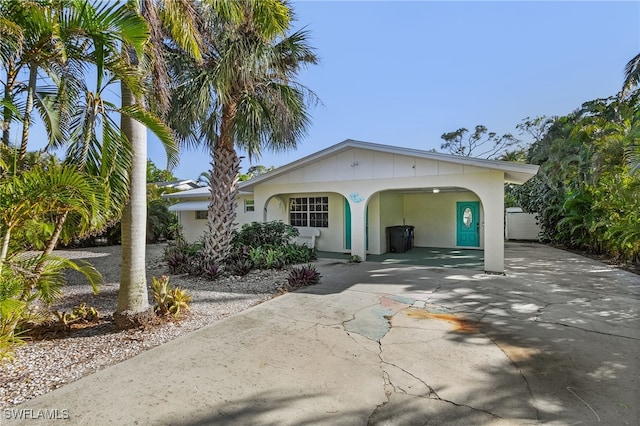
358 227
493 204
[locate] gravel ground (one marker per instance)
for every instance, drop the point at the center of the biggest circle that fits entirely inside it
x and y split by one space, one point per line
43 365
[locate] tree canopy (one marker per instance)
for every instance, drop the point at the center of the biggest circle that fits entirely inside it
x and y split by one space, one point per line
587 192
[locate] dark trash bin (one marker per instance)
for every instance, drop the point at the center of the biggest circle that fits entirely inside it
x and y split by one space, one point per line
399 238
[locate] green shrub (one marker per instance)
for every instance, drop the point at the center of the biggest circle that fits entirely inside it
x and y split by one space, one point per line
294 254
268 234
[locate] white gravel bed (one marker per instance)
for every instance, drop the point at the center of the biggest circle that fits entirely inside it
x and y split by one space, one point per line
43 365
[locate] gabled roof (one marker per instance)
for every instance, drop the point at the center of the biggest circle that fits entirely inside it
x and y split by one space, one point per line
514 172
201 192
186 183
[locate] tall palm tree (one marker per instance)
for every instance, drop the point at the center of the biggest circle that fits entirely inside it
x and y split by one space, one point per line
244 95
94 32
169 20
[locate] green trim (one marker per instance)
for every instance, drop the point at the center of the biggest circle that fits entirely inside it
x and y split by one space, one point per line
347 225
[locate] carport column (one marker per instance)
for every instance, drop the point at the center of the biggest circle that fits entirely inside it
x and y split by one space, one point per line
358 206
493 204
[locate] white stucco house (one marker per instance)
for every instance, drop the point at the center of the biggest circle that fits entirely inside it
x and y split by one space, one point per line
352 191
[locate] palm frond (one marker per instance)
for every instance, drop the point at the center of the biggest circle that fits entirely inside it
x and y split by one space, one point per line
158 128
631 74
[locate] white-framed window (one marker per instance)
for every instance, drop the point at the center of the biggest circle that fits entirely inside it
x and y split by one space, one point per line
309 211
249 206
202 214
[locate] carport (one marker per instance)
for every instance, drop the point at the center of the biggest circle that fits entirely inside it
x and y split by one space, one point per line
423 256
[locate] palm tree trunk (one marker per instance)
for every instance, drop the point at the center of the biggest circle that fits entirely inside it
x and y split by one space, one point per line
222 208
33 74
7 114
5 245
225 168
133 295
51 244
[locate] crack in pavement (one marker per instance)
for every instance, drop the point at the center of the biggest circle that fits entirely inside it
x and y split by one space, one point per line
587 330
389 387
517 367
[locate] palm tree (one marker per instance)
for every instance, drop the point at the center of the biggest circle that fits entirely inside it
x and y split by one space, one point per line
179 18
247 88
37 36
38 194
94 32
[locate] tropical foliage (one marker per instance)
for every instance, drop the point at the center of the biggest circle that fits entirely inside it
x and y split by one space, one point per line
587 192
242 95
269 245
59 58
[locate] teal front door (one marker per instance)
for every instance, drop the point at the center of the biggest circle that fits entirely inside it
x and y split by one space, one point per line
347 225
468 223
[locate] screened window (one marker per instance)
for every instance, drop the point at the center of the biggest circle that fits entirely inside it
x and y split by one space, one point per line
309 211
249 206
201 214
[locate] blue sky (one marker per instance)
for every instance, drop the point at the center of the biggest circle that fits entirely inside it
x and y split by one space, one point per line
404 73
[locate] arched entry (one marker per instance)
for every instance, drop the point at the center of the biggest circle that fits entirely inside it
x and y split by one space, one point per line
347 226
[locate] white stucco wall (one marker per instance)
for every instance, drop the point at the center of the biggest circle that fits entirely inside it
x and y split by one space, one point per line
243 217
488 185
376 243
276 210
192 228
434 216
360 164
381 180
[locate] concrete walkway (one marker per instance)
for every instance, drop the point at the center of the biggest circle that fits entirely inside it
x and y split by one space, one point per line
555 341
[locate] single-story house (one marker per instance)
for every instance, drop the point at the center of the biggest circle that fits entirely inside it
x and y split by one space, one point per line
353 191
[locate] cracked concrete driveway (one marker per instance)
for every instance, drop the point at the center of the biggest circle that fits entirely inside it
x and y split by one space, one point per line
555 341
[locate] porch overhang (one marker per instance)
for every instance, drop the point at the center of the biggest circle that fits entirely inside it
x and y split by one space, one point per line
190 206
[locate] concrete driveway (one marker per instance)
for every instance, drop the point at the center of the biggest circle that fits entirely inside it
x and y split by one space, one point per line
555 341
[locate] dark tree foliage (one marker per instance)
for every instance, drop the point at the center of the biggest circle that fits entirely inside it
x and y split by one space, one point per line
587 192
480 143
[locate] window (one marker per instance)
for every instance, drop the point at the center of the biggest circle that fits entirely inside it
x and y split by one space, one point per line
311 211
249 206
202 214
